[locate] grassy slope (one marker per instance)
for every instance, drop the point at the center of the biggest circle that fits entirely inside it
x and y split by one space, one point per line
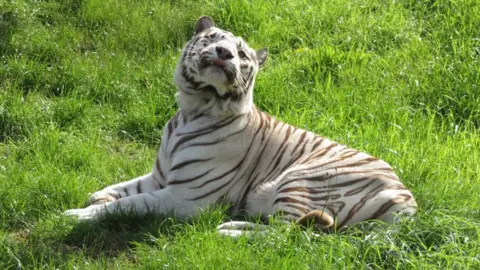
86 86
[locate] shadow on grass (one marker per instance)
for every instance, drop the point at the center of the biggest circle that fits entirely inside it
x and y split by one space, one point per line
114 234
58 240
117 233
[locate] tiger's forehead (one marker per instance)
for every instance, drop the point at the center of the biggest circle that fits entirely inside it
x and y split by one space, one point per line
214 34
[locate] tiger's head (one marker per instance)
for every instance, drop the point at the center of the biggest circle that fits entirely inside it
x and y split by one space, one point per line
216 72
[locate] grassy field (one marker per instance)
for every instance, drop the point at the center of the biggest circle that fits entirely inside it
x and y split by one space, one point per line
87 85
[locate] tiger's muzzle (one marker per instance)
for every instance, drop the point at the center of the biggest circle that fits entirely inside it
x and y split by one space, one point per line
207 61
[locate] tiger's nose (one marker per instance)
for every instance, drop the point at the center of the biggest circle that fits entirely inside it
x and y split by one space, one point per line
223 53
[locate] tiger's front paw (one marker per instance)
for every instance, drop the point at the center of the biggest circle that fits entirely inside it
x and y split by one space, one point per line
89 213
103 196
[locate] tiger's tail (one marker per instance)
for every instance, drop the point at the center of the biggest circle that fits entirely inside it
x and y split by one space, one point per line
318 218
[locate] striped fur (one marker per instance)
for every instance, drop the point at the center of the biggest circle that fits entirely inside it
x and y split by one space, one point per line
219 147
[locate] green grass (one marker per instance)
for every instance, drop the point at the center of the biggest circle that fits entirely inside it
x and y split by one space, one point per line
87 85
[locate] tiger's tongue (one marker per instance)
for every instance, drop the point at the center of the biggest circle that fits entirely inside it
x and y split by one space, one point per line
218 62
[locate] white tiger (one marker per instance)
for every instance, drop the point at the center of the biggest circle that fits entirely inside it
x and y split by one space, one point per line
219 147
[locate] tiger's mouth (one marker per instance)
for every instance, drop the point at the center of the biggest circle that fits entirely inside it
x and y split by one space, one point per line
219 65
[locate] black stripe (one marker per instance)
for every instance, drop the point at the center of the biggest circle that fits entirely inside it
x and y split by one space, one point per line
160 186
309 190
203 143
139 187
302 137
210 127
192 71
198 115
298 156
175 119
321 152
170 129
188 162
338 204
361 203
359 163
359 189
317 144
386 206
279 159
285 139
211 192
220 176
242 204
249 79
291 200
188 180
338 159
190 79
159 168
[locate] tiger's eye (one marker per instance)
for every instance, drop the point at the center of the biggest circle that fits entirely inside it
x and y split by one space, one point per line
242 55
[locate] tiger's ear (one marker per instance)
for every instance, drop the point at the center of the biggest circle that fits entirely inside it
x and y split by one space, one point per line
203 23
262 56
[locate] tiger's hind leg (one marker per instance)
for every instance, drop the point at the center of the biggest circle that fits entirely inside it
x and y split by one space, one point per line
289 205
145 183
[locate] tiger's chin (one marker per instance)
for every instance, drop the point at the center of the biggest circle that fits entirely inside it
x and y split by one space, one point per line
217 83
218 72
215 91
